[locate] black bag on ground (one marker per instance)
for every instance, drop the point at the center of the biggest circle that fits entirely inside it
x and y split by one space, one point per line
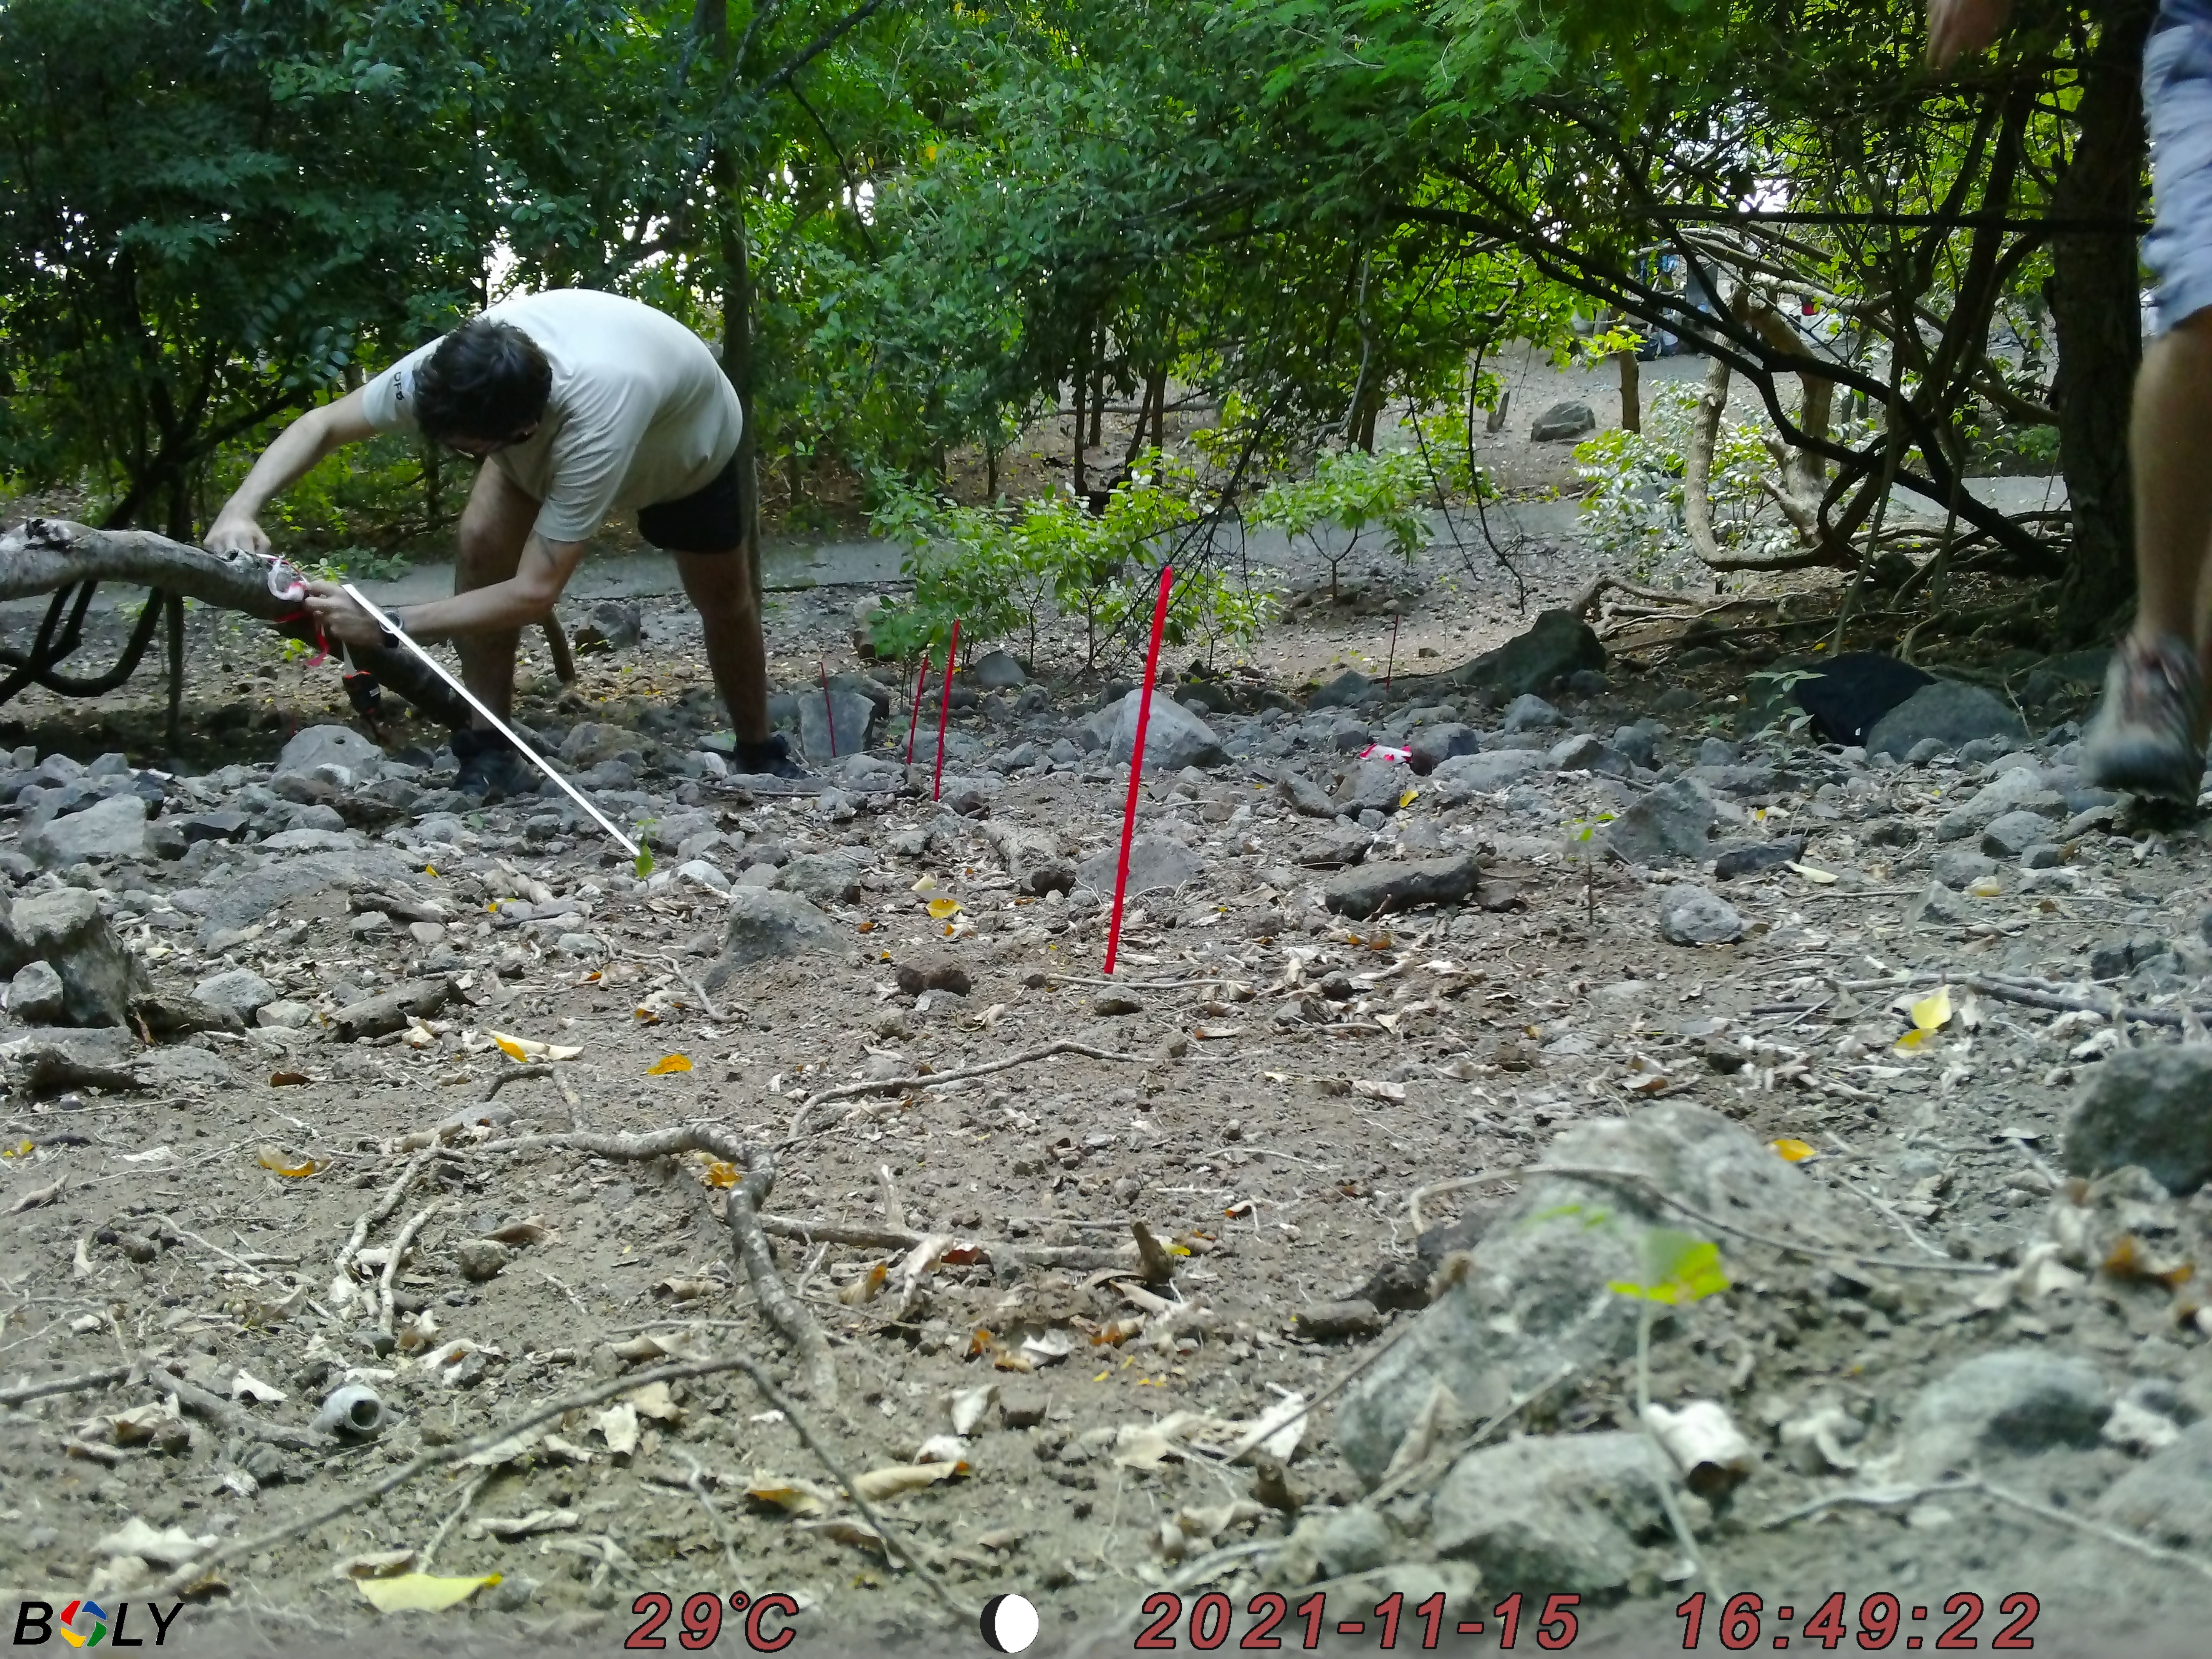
1851 694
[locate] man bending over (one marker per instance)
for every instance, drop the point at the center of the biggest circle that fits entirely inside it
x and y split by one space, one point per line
584 404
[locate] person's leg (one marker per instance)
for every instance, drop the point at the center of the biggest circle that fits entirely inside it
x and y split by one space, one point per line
737 653
495 525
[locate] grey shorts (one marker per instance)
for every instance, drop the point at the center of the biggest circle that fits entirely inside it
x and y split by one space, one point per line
2178 103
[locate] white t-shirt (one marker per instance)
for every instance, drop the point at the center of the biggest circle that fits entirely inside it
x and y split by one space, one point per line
639 411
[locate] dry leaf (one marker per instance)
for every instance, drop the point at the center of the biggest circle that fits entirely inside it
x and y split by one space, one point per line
382 1564
617 1426
794 1498
172 1546
1215 1033
1373 1089
522 1049
286 1080
420 1592
967 1407
655 1401
669 1064
944 909
866 1288
857 1534
248 1386
526 1231
684 1290
899 1479
294 1168
509 1529
1817 878
1795 1151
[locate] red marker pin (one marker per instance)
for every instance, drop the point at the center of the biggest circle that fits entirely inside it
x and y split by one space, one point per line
1136 765
943 709
913 721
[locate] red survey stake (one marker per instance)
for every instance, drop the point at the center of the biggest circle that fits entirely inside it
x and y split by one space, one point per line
913 721
943 709
1137 764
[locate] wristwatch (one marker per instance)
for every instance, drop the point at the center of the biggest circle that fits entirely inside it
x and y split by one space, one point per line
389 631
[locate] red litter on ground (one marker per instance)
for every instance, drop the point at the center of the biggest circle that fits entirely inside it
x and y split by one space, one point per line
1137 766
943 709
1383 751
913 721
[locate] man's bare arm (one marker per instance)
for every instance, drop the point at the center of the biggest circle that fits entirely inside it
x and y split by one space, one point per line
283 464
528 596
1956 27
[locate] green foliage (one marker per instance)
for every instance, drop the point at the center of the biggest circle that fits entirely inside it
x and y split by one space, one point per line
1679 1269
1349 496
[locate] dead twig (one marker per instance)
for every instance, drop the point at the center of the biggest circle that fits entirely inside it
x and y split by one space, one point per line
414 1224
228 1415
24 1392
383 1207
1457 1183
459 1510
938 1079
1079 1256
758 1261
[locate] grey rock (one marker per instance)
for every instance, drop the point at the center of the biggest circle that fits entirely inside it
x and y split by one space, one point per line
1354 1319
932 970
1486 773
63 927
595 742
705 874
766 926
2168 1499
314 888
1307 799
1958 868
1432 745
1032 858
1535 1295
1588 754
1562 422
1949 712
1640 741
1333 852
1674 700
332 745
1559 1513
1557 643
480 1258
1718 751
36 995
2149 1107
2015 1401
1671 822
2043 855
1530 713
1155 864
1174 737
1368 889
241 991
1372 785
2118 958
1355 1539
822 878
1749 860
1938 907
1692 915
613 625
112 829
854 714
1588 683
998 670
1346 691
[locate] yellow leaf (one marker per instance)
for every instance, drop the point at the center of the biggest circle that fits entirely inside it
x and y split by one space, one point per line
22 1149
1987 887
1795 1151
719 1174
1933 1011
507 1046
667 1064
1408 798
420 1592
430 869
273 1159
1912 1039
646 1015
942 909
800 1498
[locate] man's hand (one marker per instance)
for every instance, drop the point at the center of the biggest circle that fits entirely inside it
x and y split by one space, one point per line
342 622
1956 27
232 533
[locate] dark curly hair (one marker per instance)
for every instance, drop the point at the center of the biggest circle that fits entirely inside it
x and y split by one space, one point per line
486 381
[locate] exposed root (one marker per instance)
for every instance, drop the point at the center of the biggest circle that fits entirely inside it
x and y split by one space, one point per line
758 1261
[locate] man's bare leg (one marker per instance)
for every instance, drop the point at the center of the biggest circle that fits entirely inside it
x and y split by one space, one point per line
2148 735
495 525
737 652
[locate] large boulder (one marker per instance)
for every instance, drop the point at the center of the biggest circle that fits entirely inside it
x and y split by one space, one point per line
1671 822
1174 737
2151 1106
854 715
998 670
822 878
1368 889
332 745
1950 711
1535 1296
314 887
1562 423
767 927
1432 745
1156 863
112 829
1466 775
1557 644
2013 1402
1568 1514
64 928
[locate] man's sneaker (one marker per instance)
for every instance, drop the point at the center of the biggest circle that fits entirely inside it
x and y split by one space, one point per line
2143 737
490 769
770 758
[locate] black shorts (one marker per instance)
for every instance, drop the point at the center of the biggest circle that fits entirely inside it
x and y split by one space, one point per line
711 520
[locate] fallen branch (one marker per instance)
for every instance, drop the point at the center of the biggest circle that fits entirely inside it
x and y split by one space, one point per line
24 1392
938 1079
2064 1002
1798 1247
758 1261
414 1224
1078 1256
235 1419
383 1207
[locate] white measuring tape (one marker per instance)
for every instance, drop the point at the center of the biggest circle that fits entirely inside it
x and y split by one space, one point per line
505 730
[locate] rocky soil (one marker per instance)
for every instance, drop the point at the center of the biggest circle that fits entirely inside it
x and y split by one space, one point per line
1466 1040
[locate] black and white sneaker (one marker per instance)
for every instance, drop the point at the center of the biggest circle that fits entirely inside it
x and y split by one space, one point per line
490 768
770 758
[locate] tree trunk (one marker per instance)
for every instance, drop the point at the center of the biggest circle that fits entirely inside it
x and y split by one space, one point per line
2095 312
1081 390
710 23
1631 394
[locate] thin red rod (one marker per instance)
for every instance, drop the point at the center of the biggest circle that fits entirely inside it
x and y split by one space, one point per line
943 709
913 721
1136 765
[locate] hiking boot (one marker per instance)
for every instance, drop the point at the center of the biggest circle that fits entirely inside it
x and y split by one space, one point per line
770 758
2144 738
489 768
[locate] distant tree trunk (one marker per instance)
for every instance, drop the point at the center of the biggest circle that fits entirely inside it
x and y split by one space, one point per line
2096 314
1098 392
1631 396
1082 389
710 21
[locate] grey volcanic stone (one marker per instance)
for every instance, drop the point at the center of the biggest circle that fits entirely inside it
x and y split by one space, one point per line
332 745
2169 1498
64 929
821 878
767 927
1432 745
2014 1402
1346 691
1949 713
1670 821
998 670
241 991
1155 863
1530 713
1692 915
1555 1512
1557 644
1485 773
2150 1106
36 995
111 828
1562 422
1365 890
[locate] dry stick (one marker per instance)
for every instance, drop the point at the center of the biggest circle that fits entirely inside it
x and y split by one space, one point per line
894 1216
705 1002
758 1261
233 1418
938 1079
1457 1183
383 1207
392 1265
697 1485
1436 1462
437 1538
99 1379
1799 1247
1351 1374
1077 1256
2063 1003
